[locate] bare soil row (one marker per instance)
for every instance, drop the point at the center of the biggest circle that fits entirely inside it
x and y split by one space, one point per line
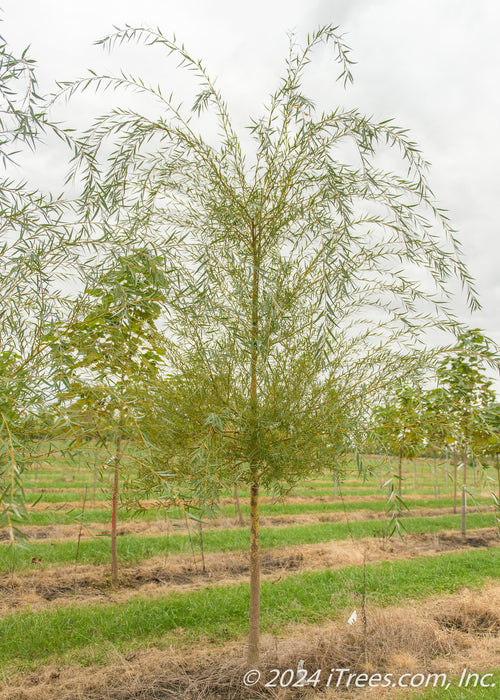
72 531
229 501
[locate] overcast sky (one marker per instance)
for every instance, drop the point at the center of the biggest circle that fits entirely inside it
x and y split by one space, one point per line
432 65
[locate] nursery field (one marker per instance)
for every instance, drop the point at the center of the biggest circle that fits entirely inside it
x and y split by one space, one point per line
426 601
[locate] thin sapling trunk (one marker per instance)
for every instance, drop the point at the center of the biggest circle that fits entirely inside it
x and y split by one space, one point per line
202 550
455 479
79 537
241 522
254 627
400 470
498 475
188 527
116 484
464 495
254 617
446 469
435 475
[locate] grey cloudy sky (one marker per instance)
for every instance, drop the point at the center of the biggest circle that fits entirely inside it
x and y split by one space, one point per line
432 65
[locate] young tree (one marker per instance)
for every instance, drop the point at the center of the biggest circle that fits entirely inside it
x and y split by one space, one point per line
490 423
398 426
293 304
110 359
466 392
437 430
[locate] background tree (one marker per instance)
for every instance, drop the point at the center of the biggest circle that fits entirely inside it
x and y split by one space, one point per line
399 426
489 420
466 390
293 305
437 433
110 358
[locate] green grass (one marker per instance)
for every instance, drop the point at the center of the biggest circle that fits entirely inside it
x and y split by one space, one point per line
63 484
64 496
69 494
96 515
221 613
454 692
91 516
62 472
133 549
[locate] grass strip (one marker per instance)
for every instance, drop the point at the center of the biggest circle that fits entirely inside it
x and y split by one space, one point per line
99 515
77 494
472 691
221 613
133 549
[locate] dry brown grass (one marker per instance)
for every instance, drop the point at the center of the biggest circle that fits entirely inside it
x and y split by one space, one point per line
70 531
59 586
399 640
244 499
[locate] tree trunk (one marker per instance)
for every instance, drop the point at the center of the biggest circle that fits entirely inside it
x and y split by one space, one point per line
254 615
79 538
455 477
464 495
238 506
188 528
400 470
202 550
116 480
95 474
446 470
435 476
254 629
498 474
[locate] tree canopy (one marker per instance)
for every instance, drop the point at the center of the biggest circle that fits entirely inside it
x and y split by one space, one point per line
304 275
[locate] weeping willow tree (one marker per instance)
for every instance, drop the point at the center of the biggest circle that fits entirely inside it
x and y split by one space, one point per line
34 241
307 275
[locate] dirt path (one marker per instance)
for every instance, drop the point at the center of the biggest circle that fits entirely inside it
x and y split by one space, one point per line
438 635
244 499
70 531
59 586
